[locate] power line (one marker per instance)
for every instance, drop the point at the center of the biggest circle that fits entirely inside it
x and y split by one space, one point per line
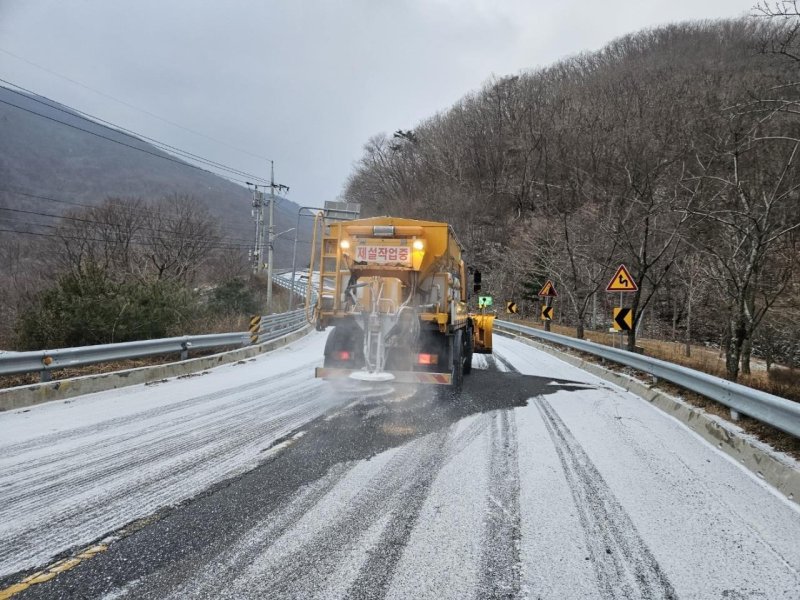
69 110
232 228
179 162
102 241
107 224
64 235
240 242
124 103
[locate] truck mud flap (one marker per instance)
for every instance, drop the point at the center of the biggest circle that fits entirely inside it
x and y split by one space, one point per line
399 376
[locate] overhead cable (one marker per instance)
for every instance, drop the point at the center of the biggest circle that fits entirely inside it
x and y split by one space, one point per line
129 105
174 160
74 112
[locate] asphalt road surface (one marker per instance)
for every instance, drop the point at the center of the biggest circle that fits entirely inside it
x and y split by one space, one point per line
538 481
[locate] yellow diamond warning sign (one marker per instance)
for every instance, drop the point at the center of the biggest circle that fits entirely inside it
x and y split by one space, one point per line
622 281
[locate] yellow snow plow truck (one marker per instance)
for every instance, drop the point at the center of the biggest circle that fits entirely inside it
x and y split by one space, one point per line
395 292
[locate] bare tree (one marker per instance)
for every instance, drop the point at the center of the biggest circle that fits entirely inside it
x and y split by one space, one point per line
752 201
179 237
623 155
104 237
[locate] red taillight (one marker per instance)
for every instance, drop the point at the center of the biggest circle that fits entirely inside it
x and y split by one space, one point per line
343 355
428 359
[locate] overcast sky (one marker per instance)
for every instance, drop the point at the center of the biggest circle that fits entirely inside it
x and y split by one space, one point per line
303 83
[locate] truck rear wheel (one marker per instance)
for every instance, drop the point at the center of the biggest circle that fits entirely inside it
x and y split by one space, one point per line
344 347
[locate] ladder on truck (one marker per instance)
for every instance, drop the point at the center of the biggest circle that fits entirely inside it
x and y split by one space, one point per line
331 272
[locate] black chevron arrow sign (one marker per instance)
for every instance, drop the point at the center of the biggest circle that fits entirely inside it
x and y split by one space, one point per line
623 319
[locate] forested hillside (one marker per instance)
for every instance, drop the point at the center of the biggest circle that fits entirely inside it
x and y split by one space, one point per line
672 150
107 237
52 158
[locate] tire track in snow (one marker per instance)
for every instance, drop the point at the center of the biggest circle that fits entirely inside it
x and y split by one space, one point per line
81 520
623 564
106 467
160 441
375 574
227 565
500 563
404 482
648 454
187 463
60 505
79 433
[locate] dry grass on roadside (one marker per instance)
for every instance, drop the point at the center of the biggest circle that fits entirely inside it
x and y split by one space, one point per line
779 381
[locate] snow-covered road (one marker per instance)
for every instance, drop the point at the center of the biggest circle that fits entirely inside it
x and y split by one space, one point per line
541 481
71 471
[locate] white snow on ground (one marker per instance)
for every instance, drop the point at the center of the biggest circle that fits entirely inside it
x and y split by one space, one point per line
586 492
553 544
711 525
531 361
479 361
446 528
71 471
583 493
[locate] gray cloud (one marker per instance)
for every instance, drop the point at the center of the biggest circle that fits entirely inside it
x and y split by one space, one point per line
304 83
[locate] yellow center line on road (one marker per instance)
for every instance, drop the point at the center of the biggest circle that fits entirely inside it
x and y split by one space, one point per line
52 571
65 564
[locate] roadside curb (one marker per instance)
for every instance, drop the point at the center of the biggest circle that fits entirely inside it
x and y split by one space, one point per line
778 470
36 393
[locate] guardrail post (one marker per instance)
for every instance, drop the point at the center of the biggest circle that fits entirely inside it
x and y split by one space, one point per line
185 350
734 415
44 374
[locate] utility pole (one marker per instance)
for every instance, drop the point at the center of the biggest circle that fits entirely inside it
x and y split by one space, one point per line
258 215
271 238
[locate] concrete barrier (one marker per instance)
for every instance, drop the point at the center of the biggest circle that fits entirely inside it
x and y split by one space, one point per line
780 471
36 393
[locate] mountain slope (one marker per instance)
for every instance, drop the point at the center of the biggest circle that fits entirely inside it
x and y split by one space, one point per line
47 154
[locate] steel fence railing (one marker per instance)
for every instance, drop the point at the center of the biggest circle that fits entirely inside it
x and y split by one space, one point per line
773 410
46 361
298 286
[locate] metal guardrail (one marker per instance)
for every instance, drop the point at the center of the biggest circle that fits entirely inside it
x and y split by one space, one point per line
770 409
46 361
299 287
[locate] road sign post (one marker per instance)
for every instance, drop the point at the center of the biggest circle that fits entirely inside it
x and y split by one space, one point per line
547 292
622 282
